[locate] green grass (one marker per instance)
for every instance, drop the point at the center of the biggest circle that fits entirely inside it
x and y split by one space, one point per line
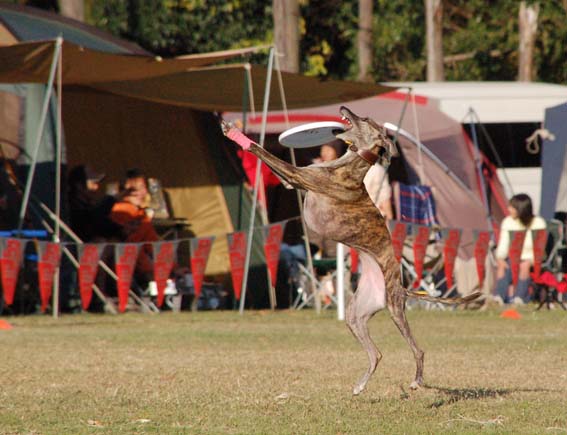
281 373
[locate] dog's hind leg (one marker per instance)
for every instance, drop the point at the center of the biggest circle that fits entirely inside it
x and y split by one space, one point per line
369 298
396 305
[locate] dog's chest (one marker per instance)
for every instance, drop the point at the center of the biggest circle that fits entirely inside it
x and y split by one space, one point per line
320 214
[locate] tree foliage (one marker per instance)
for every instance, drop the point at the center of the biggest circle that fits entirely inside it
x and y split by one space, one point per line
480 37
175 27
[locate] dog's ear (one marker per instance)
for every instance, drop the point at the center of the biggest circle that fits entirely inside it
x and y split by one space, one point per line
392 149
388 151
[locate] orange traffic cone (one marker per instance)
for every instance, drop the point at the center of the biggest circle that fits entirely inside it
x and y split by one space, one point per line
5 325
510 314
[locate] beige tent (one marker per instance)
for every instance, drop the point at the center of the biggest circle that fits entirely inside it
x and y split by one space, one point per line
123 110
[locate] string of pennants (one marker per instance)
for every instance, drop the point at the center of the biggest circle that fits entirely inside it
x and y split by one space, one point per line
165 252
164 255
450 239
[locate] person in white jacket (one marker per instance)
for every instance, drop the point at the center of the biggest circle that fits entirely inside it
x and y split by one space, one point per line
521 218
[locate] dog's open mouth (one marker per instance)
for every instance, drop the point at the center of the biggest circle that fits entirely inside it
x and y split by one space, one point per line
346 118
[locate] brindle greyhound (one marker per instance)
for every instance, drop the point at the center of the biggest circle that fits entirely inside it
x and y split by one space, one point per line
338 207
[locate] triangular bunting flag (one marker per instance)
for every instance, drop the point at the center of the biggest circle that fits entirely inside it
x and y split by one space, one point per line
49 257
164 259
420 241
89 255
482 240
11 254
126 256
451 238
398 231
237 255
273 235
200 250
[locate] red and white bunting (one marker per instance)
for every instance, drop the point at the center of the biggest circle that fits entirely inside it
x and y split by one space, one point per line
200 250
273 235
49 257
420 241
482 240
11 254
539 238
164 258
398 231
89 255
126 255
451 238
515 253
237 255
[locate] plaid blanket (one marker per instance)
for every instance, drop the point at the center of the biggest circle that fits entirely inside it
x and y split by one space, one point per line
417 205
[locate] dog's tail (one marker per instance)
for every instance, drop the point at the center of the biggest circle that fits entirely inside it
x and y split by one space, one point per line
446 301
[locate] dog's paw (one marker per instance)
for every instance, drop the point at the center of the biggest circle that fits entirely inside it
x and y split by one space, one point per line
358 389
416 385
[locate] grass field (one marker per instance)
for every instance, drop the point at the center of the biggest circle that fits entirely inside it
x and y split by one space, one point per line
281 373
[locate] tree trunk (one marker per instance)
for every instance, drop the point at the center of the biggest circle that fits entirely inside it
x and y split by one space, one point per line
527 20
434 38
365 14
286 33
73 9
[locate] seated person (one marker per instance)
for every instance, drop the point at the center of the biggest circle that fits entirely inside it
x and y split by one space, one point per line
89 211
136 224
521 218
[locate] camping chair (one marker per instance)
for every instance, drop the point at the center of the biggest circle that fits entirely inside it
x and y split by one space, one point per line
553 281
166 224
324 285
415 206
557 246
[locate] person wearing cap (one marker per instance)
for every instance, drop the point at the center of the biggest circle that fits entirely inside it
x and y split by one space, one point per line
130 213
89 211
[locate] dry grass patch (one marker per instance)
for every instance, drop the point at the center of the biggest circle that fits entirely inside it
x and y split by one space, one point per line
281 373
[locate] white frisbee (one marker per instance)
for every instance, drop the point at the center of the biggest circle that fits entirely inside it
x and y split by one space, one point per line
310 135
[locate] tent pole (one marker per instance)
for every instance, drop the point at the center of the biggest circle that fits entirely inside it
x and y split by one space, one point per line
478 162
395 139
58 155
308 255
257 179
416 127
40 128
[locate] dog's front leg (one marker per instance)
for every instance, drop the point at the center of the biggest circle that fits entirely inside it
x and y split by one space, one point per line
300 178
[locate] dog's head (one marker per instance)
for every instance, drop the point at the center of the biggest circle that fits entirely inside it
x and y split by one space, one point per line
366 134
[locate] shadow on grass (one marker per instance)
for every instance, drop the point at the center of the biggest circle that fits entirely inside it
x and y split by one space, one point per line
453 395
